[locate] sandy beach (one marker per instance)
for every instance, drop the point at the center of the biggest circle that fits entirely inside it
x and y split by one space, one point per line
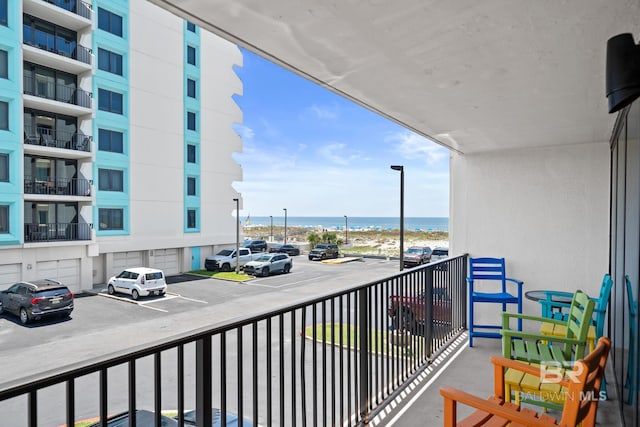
369 242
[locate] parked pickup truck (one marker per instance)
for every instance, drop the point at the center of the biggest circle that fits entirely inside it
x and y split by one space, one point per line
226 259
407 312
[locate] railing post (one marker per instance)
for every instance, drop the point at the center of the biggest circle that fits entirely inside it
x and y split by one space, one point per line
203 382
363 341
428 315
463 291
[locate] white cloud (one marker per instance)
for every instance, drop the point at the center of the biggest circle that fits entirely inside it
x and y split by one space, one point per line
245 132
413 146
324 112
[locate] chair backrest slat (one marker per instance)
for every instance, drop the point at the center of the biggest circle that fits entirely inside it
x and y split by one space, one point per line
488 269
578 323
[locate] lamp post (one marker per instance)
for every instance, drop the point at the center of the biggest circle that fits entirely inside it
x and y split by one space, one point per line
237 200
271 234
346 230
401 169
285 225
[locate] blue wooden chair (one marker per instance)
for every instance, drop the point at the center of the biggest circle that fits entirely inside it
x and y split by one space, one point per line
490 272
559 310
631 381
554 309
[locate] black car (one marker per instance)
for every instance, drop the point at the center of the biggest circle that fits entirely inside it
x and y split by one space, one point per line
255 245
287 249
38 299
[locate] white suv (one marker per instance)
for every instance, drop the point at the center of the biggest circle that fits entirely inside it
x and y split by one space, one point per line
138 282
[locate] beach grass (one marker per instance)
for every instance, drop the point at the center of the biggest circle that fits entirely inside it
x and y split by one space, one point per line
379 342
363 242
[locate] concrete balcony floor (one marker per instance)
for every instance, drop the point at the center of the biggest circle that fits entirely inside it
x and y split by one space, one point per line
468 369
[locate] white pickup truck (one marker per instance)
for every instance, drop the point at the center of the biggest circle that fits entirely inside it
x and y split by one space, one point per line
226 259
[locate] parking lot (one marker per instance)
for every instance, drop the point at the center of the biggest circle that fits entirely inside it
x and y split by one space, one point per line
102 324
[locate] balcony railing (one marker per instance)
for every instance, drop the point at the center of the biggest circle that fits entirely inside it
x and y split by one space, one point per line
57 138
62 93
75 6
56 231
57 186
329 360
51 43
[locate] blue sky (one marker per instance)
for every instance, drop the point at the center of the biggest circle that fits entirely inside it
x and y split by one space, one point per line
317 154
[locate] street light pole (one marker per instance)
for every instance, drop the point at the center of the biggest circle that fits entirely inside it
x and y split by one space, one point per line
237 200
346 230
271 235
401 169
285 225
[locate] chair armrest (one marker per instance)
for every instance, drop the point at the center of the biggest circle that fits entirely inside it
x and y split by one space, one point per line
511 333
452 395
516 281
507 315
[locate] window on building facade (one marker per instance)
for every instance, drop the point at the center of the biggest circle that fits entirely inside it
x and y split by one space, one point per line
111 219
4 12
191 218
4 115
191 120
110 22
191 186
109 61
4 64
110 180
110 101
191 27
191 153
110 140
191 55
4 219
4 168
191 88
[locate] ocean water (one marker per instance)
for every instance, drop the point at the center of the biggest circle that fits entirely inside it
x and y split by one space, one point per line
353 223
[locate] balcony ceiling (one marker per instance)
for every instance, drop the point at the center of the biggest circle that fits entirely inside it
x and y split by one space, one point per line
473 75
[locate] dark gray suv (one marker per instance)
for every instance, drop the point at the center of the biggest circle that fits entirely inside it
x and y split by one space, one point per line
256 245
38 299
324 251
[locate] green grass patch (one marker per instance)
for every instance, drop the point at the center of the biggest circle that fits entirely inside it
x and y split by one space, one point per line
379 341
225 275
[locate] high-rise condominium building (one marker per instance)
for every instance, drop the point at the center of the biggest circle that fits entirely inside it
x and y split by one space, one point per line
116 140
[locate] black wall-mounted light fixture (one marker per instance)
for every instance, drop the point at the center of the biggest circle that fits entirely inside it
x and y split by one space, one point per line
623 71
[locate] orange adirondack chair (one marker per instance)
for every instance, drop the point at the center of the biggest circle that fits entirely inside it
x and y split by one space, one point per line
581 402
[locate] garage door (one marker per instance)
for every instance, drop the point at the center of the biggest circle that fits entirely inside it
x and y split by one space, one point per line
66 271
124 260
9 274
166 260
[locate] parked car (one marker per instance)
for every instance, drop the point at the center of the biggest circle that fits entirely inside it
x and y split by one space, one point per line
269 263
416 255
226 260
36 300
439 253
287 249
324 251
408 313
144 418
255 245
216 415
138 282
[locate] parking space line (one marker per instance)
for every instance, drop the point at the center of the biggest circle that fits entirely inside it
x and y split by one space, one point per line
253 283
153 308
192 299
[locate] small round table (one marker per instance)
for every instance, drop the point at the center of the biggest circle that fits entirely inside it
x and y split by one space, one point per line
542 295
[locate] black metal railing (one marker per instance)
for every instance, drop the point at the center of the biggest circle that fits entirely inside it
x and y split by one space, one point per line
57 138
78 7
57 186
63 93
51 43
56 231
334 359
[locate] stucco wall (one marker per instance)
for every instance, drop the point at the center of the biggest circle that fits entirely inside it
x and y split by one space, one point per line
546 210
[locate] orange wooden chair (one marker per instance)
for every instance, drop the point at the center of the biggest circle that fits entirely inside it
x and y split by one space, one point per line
581 401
